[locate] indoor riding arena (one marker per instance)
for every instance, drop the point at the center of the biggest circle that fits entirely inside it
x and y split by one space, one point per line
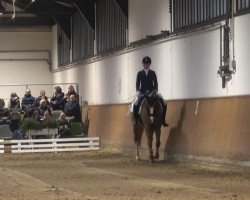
81 79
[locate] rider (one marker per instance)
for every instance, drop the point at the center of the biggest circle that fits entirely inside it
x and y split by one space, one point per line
146 82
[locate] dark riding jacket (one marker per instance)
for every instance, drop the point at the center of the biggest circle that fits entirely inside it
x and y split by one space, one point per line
146 83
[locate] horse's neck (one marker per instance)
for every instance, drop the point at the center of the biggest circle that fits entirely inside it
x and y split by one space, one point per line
156 106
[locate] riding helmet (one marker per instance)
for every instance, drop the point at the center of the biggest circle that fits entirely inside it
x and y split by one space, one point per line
146 60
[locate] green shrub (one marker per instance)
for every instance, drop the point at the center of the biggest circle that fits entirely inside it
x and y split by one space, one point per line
30 124
52 123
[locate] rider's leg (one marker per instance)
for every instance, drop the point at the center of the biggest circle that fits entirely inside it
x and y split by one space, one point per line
136 115
164 110
136 108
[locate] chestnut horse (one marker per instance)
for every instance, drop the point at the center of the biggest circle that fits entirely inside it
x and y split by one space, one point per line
151 116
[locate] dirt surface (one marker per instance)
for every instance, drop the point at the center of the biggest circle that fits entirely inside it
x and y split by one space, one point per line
112 175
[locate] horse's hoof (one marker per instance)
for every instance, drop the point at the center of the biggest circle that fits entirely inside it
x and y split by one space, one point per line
137 158
156 156
151 159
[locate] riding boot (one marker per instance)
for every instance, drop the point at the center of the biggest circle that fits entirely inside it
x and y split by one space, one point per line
136 116
164 124
164 110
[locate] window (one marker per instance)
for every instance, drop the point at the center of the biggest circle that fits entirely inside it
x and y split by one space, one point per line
82 38
63 48
187 14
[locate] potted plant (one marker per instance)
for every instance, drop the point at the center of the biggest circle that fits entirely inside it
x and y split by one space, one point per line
51 125
28 125
33 128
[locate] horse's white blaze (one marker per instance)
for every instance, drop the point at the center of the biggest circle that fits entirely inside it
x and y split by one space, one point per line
151 109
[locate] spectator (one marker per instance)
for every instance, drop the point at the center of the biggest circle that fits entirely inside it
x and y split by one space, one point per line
15 117
17 134
44 112
57 101
72 109
71 91
63 126
47 116
43 108
14 102
31 112
39 98
28 100
4 113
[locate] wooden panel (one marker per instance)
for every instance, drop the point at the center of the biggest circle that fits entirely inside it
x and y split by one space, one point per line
212 127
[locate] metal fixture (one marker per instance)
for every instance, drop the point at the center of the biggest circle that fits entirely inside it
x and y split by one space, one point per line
227 67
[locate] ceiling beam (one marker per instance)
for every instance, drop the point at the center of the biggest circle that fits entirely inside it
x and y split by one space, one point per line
25 21
87 9
64 22
123 4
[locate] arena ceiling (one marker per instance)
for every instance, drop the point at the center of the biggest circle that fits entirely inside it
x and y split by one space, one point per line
33 13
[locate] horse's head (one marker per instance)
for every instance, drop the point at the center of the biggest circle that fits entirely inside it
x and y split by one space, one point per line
152 98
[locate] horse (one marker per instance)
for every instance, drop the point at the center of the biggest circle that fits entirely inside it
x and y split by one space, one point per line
151 118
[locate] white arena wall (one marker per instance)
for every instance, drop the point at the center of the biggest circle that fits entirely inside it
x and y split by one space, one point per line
147 17
24 60
186 65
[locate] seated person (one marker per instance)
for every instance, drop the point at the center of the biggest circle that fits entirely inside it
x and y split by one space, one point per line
14 101
43 108
31 112
72 109
15 117
47 115
40 97
63 126
28 100
44 112
71 91
57 101
36 115
45 119
4 113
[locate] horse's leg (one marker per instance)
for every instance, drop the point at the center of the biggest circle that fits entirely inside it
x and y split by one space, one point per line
137 139
150 141
158 142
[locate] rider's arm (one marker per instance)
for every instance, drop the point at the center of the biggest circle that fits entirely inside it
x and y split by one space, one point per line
155 82
138 82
